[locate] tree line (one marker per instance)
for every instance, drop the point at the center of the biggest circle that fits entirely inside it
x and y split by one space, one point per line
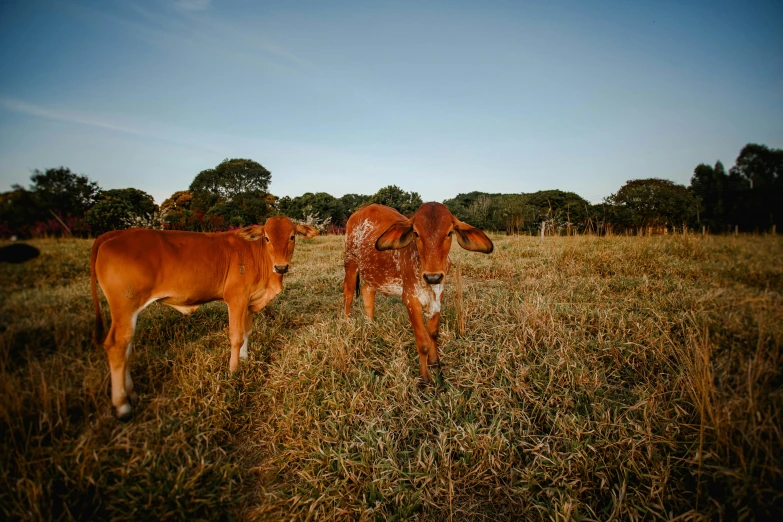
236 193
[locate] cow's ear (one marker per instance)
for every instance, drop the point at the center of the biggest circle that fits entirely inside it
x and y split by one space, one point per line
251 233
471 238
306 231
396 236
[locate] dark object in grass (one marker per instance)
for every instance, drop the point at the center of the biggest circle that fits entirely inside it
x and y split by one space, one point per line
18 253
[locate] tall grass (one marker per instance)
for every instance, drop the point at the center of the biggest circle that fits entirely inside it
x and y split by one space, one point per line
585 378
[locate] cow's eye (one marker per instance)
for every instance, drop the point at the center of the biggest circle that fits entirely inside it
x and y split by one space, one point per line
451 232
292 237
415 234
267 238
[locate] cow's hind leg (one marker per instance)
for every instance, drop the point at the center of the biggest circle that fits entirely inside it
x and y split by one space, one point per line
349 284
118 346
368 296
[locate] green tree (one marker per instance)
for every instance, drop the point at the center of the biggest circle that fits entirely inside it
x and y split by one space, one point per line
757 186
319 204
393 196
708 184
513 213
561 209
643 203
460 204
117 209
139 201
760 165
257 205
62 192
109 214
736 201
176 211
353 202
232 194
18 212
226 214
516 212
55 204
232 178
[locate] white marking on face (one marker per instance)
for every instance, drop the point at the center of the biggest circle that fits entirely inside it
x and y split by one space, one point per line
438 290
429 296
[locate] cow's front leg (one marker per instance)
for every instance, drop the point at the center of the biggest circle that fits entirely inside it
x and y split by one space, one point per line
424 342
248 328
129 390
433 325
237 315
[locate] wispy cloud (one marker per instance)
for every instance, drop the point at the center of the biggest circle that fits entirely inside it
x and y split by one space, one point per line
193 5
210 34
232 37
82 118
66 116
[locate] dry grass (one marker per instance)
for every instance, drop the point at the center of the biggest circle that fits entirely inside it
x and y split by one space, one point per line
588 378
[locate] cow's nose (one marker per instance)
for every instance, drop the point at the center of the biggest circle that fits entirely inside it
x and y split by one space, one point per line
433 279
281 269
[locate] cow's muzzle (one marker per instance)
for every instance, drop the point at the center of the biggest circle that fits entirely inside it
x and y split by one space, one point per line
433 279
281 269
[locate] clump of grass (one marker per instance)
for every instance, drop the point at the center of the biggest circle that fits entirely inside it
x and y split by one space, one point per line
585 378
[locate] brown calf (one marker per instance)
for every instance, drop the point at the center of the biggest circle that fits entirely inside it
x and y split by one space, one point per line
243 268
395 255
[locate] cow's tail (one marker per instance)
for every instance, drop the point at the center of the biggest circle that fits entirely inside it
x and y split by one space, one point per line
98 335
357 283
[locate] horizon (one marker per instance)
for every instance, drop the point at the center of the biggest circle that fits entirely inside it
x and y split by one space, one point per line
436 98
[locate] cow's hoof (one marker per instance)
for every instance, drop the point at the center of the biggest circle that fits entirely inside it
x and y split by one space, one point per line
124 413
423 383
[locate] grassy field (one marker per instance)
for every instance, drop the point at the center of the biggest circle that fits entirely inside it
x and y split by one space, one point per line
585 379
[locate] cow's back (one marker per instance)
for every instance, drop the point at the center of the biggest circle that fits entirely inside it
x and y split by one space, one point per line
379 269
186 267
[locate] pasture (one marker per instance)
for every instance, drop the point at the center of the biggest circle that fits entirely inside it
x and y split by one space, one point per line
585 379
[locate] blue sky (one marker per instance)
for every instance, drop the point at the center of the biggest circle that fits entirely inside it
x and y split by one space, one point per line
348 97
